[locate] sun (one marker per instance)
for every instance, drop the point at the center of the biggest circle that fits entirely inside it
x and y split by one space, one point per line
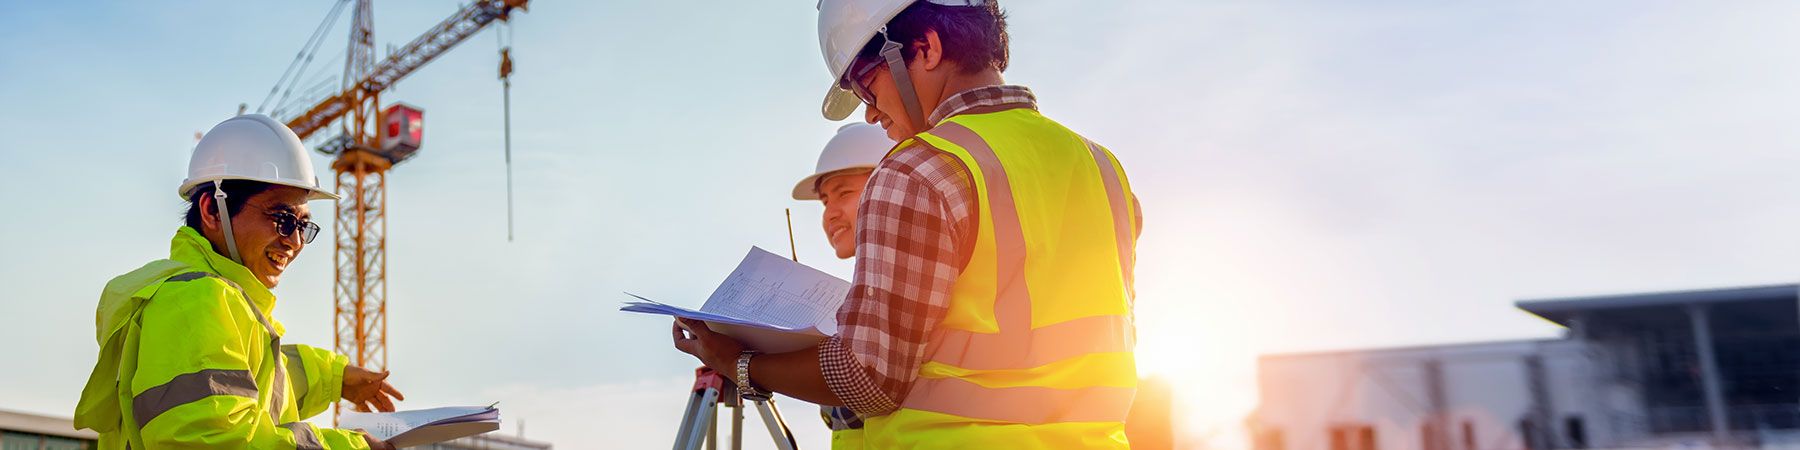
1212 379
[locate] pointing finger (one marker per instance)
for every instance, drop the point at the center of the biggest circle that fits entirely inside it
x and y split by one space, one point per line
389 388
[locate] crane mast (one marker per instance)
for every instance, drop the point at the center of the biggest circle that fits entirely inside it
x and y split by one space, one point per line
360 289
361 166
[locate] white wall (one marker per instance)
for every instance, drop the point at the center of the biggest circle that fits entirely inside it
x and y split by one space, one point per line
1486 385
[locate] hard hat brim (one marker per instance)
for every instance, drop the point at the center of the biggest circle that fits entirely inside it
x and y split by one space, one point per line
316 194
805 189
839 103
312 193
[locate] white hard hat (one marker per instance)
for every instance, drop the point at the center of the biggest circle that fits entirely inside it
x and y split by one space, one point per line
845 26
856 146
252 147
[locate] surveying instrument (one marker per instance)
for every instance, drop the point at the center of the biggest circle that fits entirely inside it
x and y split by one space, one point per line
711 391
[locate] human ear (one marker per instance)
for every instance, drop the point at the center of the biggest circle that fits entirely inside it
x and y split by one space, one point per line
209 213
930 50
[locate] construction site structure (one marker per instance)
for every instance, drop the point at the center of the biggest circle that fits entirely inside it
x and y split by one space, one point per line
371 142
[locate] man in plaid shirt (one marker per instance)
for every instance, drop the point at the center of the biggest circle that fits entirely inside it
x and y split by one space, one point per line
917 220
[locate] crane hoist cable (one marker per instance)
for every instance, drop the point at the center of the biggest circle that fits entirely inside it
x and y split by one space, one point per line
504 36
305 57
323 83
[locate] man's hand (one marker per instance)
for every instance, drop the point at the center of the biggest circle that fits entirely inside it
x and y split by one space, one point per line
374 444
369 390
718 351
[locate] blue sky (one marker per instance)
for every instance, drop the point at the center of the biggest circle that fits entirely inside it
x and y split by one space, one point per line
1315 175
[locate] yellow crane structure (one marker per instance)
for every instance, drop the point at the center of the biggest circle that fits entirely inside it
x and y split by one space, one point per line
365 151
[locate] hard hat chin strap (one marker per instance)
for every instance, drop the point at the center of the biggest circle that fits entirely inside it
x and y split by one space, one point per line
225 221
897 66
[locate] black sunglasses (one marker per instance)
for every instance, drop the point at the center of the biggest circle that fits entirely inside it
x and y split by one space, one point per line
859 69
287 223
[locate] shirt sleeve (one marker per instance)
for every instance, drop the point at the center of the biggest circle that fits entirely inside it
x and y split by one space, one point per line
910 245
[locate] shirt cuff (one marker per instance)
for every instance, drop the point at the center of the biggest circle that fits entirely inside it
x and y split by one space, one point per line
850 382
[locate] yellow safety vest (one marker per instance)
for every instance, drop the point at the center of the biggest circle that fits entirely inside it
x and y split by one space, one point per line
1036 348
851 439
191 358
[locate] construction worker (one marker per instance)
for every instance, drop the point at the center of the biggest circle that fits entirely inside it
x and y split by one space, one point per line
991 302
190 352
837 182
838 179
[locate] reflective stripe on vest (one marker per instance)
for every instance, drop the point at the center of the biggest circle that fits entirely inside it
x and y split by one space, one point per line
297 368
304 439
1013 370
1123 228
188 388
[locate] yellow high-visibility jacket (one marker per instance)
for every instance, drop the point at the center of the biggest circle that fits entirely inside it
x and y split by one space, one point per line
846 427
191 358
1036 348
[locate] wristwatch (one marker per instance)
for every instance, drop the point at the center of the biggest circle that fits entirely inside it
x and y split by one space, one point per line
743 376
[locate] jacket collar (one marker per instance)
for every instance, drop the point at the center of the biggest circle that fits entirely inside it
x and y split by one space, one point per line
189 247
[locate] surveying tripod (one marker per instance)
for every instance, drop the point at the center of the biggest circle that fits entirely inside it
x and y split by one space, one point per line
700 423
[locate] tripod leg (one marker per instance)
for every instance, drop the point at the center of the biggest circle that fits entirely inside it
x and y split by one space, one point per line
778 429
696 421
737 426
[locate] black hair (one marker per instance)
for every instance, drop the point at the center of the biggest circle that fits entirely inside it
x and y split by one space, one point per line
236 193
973 36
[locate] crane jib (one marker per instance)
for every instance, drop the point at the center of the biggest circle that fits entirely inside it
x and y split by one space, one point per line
421 50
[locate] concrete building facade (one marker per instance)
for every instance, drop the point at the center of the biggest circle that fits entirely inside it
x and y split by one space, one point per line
1713 368
27 431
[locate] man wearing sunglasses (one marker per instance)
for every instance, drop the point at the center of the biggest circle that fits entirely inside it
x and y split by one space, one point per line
991 302
191 353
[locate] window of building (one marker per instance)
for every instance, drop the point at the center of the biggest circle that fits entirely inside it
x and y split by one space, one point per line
1469 435
1527 435
1426 439
1575 431
17 440
1353 437
1270 440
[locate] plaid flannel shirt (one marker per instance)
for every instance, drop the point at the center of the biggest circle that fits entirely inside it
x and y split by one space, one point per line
915 231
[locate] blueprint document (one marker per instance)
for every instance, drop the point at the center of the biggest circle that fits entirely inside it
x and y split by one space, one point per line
768 296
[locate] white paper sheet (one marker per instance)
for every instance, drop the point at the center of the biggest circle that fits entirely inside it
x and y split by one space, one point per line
774 290
769 292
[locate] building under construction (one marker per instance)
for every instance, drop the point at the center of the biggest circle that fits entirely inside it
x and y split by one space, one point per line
1715 368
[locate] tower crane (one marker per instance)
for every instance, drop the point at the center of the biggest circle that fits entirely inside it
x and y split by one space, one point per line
364 154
